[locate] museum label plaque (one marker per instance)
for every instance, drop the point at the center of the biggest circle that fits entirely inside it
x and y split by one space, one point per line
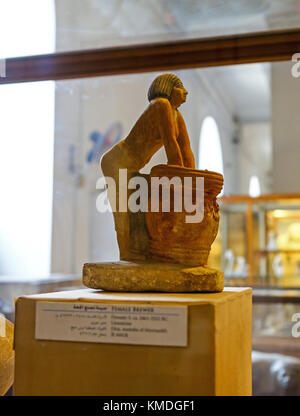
112 323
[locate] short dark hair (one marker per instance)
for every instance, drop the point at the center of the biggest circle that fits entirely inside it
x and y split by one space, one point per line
163 86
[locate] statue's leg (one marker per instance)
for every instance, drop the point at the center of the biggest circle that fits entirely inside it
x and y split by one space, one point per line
110 168
121 220
130 226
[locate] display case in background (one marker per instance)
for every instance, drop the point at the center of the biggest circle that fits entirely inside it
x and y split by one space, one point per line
259 241
258 245
276 342
276 321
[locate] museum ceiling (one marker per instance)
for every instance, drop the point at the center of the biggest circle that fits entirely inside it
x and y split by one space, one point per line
97 23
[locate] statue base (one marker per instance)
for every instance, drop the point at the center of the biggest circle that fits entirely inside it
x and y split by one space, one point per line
126 276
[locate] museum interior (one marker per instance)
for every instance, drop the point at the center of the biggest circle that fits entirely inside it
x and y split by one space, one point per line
74 80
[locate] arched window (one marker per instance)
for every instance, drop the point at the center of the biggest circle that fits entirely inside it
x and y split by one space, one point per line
210 150
254 186
26 143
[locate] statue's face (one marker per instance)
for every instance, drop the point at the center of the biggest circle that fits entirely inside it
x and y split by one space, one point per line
178 96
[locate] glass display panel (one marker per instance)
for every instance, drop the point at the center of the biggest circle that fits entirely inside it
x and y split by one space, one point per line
71 25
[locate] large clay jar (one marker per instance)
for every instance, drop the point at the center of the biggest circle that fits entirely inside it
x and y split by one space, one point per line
172 238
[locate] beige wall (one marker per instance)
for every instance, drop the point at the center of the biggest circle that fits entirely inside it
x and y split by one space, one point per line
255 156
285 128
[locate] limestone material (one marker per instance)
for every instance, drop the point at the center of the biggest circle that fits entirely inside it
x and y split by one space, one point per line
152 277
6 355
162 235
172 238
160 125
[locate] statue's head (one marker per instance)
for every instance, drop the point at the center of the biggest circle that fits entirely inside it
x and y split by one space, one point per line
165 86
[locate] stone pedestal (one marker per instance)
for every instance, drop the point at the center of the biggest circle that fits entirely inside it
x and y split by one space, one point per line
151 277
214 359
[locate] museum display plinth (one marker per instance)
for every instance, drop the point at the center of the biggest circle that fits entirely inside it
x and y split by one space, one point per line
216 359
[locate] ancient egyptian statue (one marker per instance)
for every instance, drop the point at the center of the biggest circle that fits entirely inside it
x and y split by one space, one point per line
161 236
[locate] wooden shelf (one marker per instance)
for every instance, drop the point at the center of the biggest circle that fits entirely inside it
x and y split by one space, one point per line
266 46
284 251
275 344
267 283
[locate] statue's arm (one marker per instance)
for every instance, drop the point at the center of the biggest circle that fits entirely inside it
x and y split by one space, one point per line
167 132
184 143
